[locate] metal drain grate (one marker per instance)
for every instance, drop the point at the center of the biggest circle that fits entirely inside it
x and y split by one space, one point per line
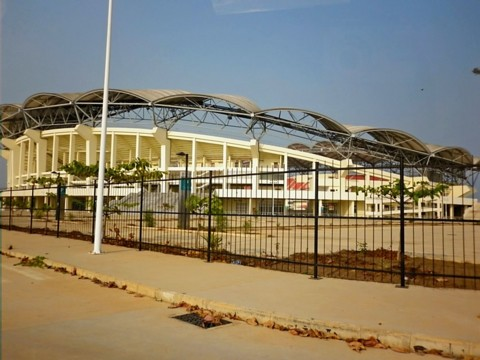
195 319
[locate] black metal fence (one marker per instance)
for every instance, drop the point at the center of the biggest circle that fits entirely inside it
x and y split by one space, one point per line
324 222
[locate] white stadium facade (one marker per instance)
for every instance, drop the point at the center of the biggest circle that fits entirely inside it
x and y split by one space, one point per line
230 134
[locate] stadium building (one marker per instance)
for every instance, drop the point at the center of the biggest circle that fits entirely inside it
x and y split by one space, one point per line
231 135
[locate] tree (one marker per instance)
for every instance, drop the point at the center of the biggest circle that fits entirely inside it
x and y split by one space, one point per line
417 191
134 171
46 181
200 205
80 170
46 207
130 172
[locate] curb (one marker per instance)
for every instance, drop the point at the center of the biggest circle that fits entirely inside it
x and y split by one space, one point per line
398 341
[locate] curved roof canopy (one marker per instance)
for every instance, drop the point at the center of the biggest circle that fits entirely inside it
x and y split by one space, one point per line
166 107
394 137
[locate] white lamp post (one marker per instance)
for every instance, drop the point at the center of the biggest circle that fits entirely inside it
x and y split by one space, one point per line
103 141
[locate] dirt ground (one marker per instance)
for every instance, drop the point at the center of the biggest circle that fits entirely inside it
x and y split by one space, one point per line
380 265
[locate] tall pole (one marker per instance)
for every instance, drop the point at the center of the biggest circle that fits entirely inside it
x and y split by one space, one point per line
103 141
315 221
94 206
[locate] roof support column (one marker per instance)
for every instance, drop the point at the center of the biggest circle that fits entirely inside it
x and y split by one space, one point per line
21 163
30 158
12 155
255 153
86 133
193 159
113 150
40 151
71 153
138 146
161 136
55 147
71 148
162 139
285 174
225 161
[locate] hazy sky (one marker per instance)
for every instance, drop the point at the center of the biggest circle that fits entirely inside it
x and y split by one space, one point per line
396 64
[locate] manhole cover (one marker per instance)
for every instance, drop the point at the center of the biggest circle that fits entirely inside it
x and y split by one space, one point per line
195 319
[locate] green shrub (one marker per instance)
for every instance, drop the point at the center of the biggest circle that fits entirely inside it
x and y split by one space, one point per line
148 219
215 241
247 226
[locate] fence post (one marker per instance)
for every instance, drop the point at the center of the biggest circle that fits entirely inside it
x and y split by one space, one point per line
57 210
402 224
209 235
315 221
140 233
10 210
32 198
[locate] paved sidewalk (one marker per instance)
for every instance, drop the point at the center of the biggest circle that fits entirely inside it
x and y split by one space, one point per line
441 319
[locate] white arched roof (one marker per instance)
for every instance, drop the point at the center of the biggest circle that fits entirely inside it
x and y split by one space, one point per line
50 110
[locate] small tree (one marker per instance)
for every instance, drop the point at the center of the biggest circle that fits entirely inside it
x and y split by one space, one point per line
134 171
149 219
21 204
414 193
47 207
200 205
128 173
80 169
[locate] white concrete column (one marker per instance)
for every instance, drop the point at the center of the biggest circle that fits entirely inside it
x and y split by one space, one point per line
193 156
30 157
138 146
71 153
38 146
7 155
193 159
225 163
225 158
161 136
351 208
55 146
255 155
285 175
71 147
21 162
113 150
86 133
12 155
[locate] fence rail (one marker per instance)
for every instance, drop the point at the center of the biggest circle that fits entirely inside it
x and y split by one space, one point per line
319 222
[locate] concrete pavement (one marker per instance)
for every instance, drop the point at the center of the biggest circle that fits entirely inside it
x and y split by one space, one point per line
440 319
